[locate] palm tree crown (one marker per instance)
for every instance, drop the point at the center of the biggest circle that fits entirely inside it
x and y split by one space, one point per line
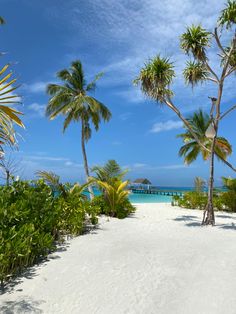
191 149
71 100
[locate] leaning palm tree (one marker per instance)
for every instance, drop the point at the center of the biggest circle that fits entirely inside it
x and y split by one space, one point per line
71 99
199 123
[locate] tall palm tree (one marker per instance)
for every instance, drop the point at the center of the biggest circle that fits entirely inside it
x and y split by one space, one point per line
71 99
199 122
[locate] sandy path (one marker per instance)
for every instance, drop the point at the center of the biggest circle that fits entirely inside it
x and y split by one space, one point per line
159 261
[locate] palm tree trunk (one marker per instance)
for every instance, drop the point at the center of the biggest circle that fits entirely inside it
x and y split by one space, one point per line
86 161
208 215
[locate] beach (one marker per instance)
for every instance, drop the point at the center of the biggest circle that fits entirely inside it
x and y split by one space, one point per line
159 260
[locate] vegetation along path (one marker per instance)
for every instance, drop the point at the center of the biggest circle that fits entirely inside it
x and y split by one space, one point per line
160 260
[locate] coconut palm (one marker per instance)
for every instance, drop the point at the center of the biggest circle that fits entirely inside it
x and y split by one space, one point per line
199 122
71 99
110 172
8 115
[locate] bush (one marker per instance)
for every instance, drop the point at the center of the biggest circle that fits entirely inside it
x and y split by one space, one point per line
222 201
31 219
122 210
228 200
193 199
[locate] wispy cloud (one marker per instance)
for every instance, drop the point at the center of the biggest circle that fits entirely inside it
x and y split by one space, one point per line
36 87
38 109
166 126
125 116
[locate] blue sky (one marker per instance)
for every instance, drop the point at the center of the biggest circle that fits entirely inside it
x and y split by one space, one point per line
117 37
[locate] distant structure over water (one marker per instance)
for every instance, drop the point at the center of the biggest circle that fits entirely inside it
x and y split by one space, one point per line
142 181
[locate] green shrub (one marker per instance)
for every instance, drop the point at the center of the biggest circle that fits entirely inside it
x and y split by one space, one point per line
228 200
122 210
192 199
31 219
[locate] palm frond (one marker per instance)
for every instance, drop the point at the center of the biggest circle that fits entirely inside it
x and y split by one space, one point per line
155 78
195 72
92 85
228 15
195 41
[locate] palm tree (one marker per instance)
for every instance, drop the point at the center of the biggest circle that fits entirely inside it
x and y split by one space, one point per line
72 100
199 184
8 115
110 172
199 123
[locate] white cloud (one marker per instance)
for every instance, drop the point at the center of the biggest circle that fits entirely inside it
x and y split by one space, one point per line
37 87
139 165
166 126
73 164
38 109
125 116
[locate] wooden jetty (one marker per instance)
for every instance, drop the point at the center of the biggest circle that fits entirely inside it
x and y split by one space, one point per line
157 191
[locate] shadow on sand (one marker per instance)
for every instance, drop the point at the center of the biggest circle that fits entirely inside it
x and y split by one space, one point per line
31 272
194 221
20 306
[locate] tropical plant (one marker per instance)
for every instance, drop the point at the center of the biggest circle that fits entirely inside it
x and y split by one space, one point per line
58 188
8 115
199 184
32 220
9 167
229 184
199 122
72 101
115 196
110 172
228 15
158 73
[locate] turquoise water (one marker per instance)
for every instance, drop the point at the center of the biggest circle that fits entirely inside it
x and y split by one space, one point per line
142 198
149 198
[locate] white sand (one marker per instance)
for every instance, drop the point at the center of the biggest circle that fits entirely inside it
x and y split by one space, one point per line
159 261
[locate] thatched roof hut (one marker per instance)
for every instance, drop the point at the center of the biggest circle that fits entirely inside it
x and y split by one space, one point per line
142 181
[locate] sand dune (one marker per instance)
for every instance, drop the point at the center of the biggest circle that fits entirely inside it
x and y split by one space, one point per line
158 261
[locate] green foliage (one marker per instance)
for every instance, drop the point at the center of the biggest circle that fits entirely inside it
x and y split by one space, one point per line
72 101
228 15
32 219
195 41
110 172
199 122
199 184
114 200
8 115
195 72
193 200
155 78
